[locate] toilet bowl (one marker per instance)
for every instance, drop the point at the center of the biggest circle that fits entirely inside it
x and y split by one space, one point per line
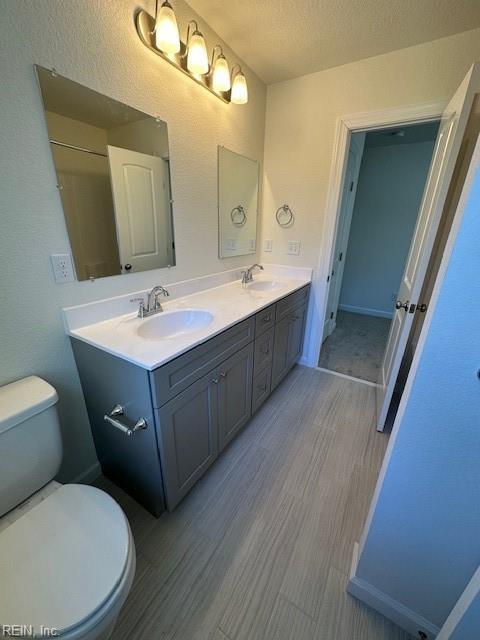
67 556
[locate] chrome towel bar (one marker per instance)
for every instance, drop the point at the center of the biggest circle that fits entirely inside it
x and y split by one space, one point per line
118 410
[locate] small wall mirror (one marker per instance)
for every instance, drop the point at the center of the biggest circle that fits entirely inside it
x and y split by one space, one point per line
237 204
113 173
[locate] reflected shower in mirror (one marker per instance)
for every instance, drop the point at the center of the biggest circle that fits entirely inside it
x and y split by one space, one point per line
113 174
237 204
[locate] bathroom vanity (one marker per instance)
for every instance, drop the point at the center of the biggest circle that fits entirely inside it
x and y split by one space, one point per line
193 401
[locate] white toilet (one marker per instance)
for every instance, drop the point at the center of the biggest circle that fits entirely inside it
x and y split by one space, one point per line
67 556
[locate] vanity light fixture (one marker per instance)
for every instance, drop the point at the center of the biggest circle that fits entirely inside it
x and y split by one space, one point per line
197 56
220 71
239 87
161 35
167 37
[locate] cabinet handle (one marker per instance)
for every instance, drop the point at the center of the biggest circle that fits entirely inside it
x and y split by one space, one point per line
215 380
294 317
223 374
265 351
262 387
118 410
267 318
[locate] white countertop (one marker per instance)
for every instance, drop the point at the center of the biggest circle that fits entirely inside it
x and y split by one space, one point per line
229 303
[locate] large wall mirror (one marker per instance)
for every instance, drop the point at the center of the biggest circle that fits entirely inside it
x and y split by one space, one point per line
113 173
237 204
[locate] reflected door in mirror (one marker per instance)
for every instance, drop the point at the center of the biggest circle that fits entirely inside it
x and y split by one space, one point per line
142 202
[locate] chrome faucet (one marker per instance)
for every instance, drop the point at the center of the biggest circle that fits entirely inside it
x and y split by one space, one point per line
153 303
247 275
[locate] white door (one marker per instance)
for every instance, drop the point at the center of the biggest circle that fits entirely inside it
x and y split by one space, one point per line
142 210
355 153
450 134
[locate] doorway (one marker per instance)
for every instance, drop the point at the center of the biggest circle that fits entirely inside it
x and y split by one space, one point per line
384 182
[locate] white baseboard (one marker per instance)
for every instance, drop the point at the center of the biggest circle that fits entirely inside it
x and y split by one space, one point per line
387 606
365 311
89 475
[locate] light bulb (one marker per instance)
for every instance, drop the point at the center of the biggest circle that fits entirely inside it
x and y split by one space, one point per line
239 89
221 75
167 38
197 58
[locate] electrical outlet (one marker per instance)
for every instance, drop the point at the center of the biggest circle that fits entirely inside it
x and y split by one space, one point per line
293 248
268 246
62 267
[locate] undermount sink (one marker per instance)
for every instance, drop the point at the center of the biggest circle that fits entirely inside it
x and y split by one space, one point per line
265 285
169 324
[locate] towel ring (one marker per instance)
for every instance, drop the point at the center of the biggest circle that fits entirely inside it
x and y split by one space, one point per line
283 211
238 216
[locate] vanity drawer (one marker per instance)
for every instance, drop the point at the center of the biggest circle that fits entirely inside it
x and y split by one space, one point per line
263 353
288 304
175 376
264 320
261 388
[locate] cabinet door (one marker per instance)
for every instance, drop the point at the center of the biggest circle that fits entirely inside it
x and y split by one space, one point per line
287 343
295 335
188 437
280 365
234 394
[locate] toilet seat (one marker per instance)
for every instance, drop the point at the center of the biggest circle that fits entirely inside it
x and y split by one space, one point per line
66 562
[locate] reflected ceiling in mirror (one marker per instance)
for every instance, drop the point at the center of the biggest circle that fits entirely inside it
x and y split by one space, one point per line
113 173
237 204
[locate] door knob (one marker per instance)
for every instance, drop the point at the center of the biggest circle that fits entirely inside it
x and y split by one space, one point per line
401 305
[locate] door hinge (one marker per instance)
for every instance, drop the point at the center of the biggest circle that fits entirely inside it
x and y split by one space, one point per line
418 307
351 185
331 316
340 256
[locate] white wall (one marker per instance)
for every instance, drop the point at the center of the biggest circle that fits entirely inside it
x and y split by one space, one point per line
300 129
94 42
421 543
390 188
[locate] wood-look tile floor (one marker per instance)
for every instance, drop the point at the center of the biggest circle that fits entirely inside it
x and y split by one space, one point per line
261 548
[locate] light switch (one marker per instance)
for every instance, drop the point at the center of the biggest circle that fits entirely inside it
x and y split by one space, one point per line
268 246
231 244
252 244
293 248
62 267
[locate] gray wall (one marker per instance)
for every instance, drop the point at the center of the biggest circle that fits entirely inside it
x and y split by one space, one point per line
422 544
390 188
94 42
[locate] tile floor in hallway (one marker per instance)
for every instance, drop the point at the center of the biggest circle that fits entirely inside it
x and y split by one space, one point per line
261 548
357 345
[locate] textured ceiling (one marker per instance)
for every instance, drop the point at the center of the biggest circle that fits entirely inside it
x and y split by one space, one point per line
281 39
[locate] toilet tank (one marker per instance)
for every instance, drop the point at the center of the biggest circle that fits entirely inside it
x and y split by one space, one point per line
30 441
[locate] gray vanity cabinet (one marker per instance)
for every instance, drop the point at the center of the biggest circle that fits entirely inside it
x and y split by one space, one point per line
188 436
199 422
288 342
193 405
234 395
132 463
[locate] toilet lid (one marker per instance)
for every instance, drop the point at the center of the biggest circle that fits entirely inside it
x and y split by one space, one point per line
63 559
